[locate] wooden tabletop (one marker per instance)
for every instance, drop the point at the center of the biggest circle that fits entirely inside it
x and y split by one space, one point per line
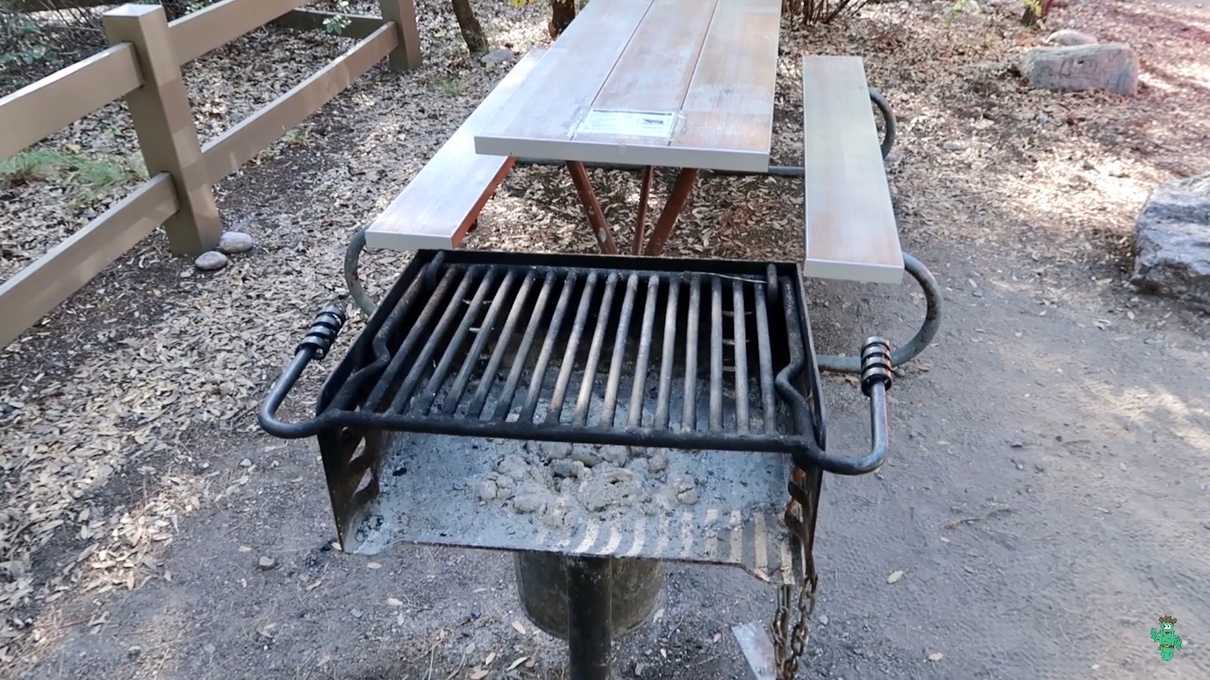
682 83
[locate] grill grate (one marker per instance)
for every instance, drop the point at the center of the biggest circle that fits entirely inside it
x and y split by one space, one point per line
689 354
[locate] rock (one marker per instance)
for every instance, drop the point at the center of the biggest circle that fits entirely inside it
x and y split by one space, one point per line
936 656
487 490
232 242
554 450
1068 37
210 261
529 502
687 497
500 55
568 468
246 463
585 456
618 455
512 466
823 619
895 576
265 563
657 462
1111 66
1172 241
134 652
954 146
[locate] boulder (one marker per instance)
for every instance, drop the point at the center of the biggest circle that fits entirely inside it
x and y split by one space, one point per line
500 55
1068 38
1110 66
1172 241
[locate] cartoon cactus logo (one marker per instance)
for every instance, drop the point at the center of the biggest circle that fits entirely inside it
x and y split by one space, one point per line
1167 639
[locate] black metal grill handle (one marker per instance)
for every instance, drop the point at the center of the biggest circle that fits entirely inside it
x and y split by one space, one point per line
314 345
877 374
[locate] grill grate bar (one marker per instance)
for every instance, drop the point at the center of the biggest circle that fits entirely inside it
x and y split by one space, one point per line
479 398
383 386
580 414
429 394
619 349
689 417
716 354
472 357
765 355
668 357
548 345
740 344
569 353
400 401
634 418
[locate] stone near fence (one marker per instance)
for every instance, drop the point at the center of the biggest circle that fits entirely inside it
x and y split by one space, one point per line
1068 37
1172 241
232 242
1109 66
500 55
211 260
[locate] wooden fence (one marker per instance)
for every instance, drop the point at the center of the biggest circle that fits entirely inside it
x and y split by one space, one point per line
144 67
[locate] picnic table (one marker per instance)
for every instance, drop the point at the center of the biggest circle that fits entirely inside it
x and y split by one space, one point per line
675 83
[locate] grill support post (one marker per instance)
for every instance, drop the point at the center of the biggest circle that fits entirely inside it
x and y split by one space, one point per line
589 613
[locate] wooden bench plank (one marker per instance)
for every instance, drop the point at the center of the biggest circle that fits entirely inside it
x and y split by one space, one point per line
850 222
439 205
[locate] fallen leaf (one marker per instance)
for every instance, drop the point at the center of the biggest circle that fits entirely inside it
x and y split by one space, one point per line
516 662
517 626
478 674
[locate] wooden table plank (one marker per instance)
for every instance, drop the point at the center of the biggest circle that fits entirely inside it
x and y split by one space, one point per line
729 105
560 90
680 83
654 71
850 221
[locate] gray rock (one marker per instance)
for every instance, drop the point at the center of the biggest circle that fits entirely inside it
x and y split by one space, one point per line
554 450
512 466
265 563
232 242
1111 66
658 461
618 455
1172 241
1068 37
568 468
529 502
500 55
211 260
585 456
487 490
688 496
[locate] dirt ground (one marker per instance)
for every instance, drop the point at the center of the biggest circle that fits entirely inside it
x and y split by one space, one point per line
1047 498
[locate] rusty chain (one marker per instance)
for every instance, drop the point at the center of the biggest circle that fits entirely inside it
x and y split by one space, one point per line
790 642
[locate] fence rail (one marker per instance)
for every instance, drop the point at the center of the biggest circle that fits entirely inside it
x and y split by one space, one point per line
143 66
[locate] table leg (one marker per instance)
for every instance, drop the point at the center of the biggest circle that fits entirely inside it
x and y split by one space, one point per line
592 208
640 226
672 210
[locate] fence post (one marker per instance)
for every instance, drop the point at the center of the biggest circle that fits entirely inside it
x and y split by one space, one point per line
403 13
164 125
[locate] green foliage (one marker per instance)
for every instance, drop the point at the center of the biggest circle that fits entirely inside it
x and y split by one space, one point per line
88 177
338 24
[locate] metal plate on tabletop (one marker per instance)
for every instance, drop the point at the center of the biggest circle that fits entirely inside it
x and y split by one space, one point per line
427 494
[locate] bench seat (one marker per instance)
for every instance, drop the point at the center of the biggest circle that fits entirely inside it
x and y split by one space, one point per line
441 203
850 223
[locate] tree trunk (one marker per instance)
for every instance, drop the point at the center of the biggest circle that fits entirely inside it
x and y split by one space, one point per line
472 32
561 14
1032 19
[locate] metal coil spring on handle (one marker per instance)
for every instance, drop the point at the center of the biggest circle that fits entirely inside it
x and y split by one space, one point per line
324 329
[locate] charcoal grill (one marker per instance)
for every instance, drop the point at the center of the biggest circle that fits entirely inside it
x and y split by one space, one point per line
713 357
